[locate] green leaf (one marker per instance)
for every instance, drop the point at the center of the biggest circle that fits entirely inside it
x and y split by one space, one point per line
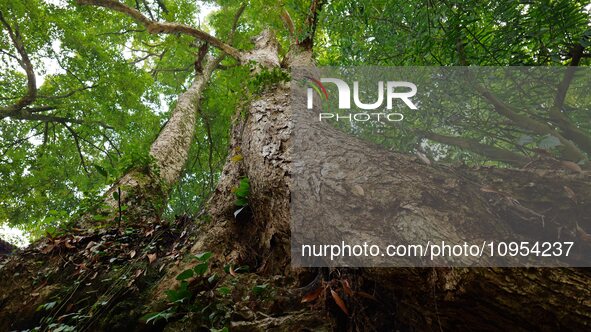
185 275
180 294
101 171
549 142
47 306
204 256
224 290
525 139
243 189
259 289
156 316
241 202
201 268
99 217
225 329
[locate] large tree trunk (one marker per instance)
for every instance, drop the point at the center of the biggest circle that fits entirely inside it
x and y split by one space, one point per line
461 201
424 298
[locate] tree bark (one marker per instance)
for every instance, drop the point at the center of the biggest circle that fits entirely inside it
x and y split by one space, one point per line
144 189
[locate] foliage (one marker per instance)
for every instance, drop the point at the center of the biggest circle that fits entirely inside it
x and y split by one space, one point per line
242 191
451 33
184 299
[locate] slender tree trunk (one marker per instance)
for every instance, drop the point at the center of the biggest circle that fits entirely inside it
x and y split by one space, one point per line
144 190
171 148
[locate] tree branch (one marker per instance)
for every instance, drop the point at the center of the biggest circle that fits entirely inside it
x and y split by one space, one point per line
235 23
289 25
489 151
311 22
154 27
572 152
569 130
171 147
75 136
56 119
25 63
70 93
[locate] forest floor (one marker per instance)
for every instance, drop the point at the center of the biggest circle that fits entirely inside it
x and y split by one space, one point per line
127 278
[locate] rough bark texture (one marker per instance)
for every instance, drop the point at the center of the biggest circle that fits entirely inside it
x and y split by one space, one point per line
171 148
458 199
453 197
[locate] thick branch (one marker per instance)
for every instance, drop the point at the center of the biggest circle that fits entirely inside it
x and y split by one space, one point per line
572 152
235 23
489 151
568 129
311 22
56 119
164 27
25 63
171 147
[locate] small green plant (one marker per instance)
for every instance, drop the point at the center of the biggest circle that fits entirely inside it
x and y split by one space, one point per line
197 270
180 295
260 289
242 192
47 306
154 317
225 329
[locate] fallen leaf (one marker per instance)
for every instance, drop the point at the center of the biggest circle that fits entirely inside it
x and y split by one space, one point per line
339 302
487 189
346 287
542 152
152 258
570 193
48 249
366 295
584 236
312 296
232 272
571 166
132 254
357 190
